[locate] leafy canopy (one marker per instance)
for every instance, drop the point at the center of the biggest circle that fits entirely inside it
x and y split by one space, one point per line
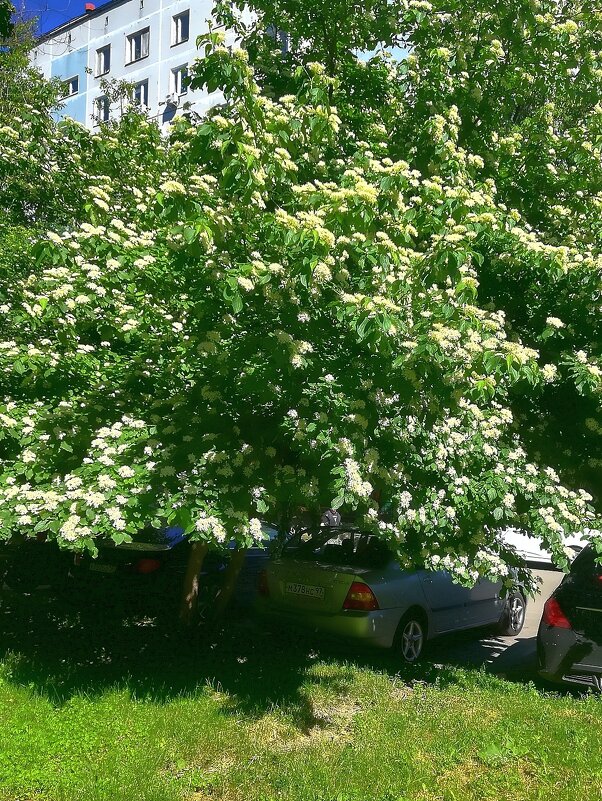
291 304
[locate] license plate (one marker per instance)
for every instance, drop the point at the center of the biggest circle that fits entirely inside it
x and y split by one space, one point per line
100 568
304 589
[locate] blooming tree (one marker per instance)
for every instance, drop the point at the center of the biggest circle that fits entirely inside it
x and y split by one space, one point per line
522 83
283 311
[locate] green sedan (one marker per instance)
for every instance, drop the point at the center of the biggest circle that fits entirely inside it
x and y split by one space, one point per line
345 582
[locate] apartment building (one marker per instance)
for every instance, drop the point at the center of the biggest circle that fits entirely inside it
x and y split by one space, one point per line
149 43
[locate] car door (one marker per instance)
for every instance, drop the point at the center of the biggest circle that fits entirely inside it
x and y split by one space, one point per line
484 605
448 601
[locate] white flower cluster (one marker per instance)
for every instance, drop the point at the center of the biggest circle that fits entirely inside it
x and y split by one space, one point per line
73 530
211 527
353 480
255 530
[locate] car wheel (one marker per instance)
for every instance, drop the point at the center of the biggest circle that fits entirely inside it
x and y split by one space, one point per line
513 618
16 584
410 638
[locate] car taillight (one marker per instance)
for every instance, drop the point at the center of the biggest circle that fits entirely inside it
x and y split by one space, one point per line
147 565
360 596
262 584
554 616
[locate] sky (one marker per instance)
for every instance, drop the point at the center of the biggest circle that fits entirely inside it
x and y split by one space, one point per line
52 12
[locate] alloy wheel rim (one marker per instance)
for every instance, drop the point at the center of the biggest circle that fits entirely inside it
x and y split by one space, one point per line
411 641
517 612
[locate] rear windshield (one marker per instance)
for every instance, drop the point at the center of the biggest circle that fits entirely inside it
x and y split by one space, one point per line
338 547
587 564
170 536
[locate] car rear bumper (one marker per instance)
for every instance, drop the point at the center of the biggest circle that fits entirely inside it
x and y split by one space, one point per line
565 655
371 628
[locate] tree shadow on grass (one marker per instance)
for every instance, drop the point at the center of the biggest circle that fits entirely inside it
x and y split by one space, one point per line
59 649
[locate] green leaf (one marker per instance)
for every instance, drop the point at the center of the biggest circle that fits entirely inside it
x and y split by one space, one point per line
189 234
363 327
338 502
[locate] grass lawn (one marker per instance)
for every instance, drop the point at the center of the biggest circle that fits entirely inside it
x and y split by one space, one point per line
133 712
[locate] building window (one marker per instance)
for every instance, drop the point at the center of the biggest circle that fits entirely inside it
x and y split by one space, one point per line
71 86
137 45
103 60
140 93
180 28
179 80
103 109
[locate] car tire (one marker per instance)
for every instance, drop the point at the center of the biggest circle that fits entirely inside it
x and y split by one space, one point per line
410 638
513 616
16 584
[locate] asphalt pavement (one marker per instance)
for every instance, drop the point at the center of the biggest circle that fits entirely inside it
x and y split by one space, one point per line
514 657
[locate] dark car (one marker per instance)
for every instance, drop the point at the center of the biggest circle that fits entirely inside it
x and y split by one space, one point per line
569 640
147 572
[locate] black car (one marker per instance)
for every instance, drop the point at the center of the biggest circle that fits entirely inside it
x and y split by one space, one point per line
569 640
146 573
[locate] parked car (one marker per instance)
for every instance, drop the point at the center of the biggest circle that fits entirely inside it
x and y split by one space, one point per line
532 550
28 564
346 582
147 571
569 640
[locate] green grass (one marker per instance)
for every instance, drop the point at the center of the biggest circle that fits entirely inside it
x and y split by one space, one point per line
126 712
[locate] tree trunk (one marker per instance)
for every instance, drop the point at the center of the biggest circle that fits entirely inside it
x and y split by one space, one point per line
190 590
229 583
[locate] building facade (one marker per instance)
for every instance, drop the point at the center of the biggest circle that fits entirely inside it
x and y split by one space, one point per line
148 43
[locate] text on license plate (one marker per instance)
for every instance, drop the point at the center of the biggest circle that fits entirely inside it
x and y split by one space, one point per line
304 589
100 568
